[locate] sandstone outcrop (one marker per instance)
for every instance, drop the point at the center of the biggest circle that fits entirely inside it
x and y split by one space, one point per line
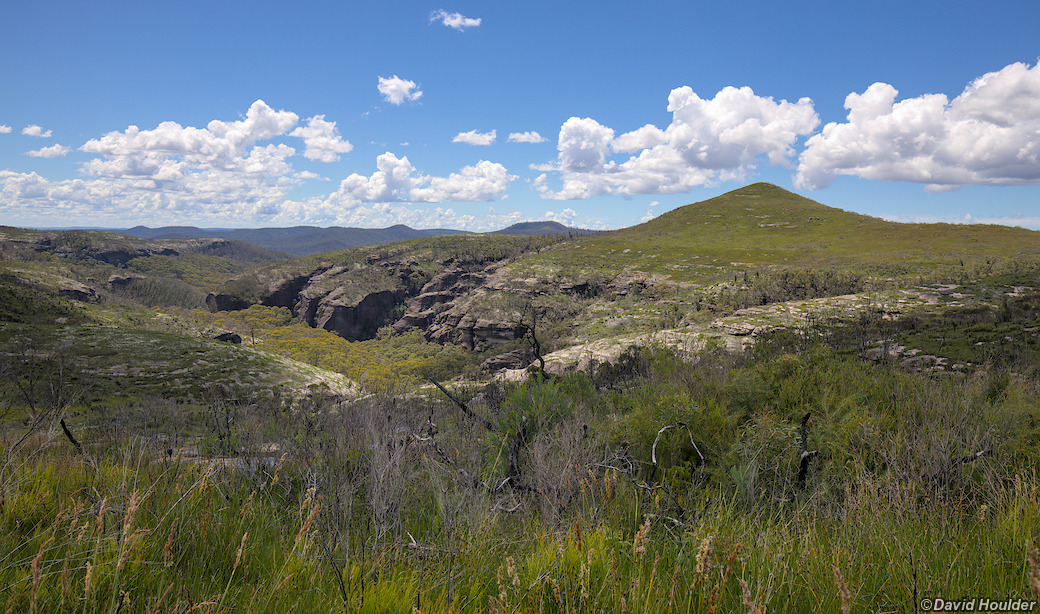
355 300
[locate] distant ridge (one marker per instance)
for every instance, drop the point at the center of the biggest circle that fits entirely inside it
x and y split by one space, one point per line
306 240
297 240
542 228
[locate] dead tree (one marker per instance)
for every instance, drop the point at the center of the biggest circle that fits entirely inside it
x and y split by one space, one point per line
72 440
806 456
472 415
514 475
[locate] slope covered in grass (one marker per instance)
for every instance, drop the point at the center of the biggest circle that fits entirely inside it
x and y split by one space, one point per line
762 225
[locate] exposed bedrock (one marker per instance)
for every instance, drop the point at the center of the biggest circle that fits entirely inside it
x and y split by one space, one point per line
355 301
225 302
360 321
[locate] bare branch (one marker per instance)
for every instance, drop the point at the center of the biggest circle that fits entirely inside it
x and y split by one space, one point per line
465 409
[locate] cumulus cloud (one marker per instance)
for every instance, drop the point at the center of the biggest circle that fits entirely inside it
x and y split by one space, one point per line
396 90
526 137
54 151
34 130
565 217
373 215
1023 221
5 129
707 140
171 172
230 172
483 182
475 138
322 140
987 135
649 215
396 180
454 20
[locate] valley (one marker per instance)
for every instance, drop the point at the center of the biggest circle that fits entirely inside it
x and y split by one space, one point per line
756 399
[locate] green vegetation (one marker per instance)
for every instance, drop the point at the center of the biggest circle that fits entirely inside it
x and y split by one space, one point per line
385 364
761 227
848 420
357 510
108 365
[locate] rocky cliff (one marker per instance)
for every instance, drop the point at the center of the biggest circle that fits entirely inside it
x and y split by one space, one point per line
447 300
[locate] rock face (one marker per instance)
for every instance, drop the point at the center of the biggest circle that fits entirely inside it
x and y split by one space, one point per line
358 321
445 309
79 292
517 359
354 301
225 302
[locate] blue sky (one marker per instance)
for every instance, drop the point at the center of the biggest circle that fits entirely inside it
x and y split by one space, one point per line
480 114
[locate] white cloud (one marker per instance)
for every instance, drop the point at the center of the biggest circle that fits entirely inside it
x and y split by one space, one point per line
565 217
454 20
5 129
526 137
396 90
232 173
375 215
485 181
395 180
54 151
708 140
322 139
644 138
1023 221
170 173
475 138
988 135
34 130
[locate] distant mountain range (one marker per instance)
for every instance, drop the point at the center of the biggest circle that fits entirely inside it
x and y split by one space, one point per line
306 240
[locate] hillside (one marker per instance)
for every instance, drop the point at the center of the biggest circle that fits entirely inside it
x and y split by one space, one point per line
603 425
697 272
762 226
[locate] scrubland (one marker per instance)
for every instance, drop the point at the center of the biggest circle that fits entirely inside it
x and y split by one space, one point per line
545 495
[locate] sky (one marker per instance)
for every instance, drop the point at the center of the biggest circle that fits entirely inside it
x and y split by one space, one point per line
479 114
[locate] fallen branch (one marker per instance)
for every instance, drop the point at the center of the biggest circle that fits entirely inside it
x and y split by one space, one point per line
465 409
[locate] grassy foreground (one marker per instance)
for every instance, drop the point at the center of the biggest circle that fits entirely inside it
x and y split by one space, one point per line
923 487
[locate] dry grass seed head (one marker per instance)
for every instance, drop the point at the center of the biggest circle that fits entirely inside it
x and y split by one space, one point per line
35 570
642 536
241 547
511 571
703 556
749 600
99 524
843 591
65 570
307 523
168 549
86 582
246 506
